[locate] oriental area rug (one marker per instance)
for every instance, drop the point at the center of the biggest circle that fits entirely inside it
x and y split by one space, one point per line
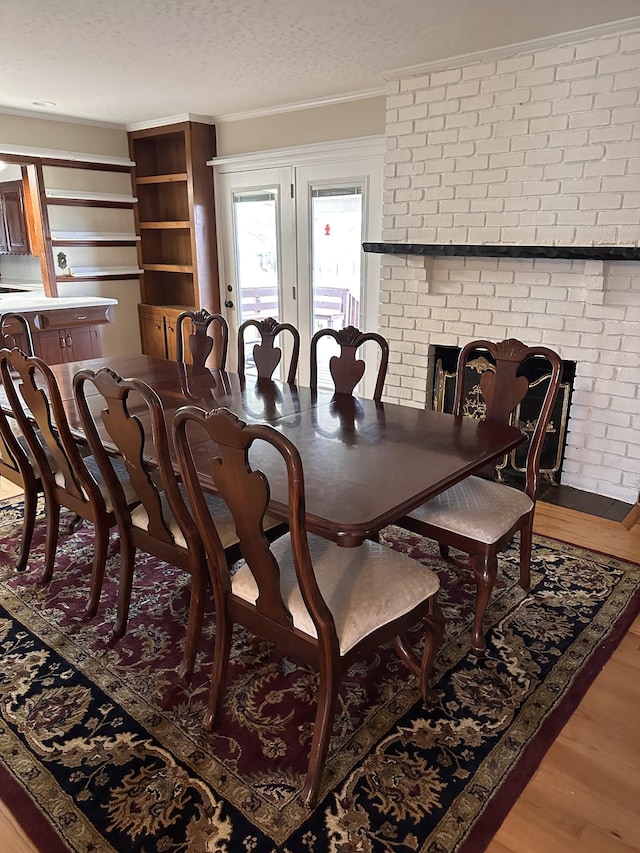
102 747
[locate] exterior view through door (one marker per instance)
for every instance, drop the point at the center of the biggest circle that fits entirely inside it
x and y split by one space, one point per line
291 248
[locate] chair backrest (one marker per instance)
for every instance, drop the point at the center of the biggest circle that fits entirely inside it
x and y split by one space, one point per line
265 354
346 370
246 493
132 419
503 387
54 449
14 462
15 331
206 350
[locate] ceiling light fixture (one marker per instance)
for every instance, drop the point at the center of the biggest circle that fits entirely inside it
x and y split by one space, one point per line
44 103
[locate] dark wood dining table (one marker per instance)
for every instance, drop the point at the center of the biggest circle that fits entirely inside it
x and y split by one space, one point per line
366 464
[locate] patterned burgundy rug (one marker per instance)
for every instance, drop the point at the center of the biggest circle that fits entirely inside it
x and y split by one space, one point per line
102 748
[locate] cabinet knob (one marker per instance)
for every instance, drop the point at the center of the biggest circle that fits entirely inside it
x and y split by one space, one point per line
228 303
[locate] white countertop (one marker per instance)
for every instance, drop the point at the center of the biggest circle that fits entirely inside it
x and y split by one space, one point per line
17 302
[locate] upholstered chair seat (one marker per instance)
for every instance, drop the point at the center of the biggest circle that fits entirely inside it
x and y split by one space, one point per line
477 509
350 582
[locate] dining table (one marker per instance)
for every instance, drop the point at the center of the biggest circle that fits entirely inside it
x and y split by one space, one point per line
366 463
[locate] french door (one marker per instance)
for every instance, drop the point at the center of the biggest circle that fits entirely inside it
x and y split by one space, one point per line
290 242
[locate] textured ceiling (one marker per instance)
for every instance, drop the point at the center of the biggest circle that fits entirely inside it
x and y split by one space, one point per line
130 61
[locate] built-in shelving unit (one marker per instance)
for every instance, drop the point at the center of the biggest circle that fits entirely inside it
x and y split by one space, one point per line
594 253
89 197
175 221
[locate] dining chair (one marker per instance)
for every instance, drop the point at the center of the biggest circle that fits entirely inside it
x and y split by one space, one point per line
480 515
15 463
206 350
130 419
266 355
18 467
317 601
69 478
346 371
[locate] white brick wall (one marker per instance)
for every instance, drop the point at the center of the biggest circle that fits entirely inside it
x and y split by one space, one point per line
539 148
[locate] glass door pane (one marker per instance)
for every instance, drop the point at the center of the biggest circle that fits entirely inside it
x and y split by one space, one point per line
336 252
255 224
256 241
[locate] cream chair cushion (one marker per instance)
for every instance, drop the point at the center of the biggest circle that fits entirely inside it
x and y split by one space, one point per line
222 518
479 509
364 587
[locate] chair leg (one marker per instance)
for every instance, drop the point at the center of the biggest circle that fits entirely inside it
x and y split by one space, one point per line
199 578
444 551
30 505
221 652
526 542
51 536
127 564
485 570
327 700
434 633
97 570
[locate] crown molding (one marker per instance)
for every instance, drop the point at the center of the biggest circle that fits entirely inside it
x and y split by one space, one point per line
163 120
107 125
58 154
556 40
352 148
304 105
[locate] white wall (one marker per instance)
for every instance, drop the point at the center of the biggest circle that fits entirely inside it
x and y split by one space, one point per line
345 120
540 147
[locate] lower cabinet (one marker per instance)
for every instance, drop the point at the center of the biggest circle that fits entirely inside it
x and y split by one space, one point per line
158 330
57 346
64 335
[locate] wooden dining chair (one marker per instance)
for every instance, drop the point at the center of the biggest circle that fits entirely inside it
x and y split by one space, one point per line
266 355
130 419
346 371
16 465
69 478
207 350
319 602
479 515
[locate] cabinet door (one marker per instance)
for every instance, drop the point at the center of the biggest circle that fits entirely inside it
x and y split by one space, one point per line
152 331
82 343
51 345
170 331
16 239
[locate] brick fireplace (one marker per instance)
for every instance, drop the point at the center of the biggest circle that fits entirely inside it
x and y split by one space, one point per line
537 148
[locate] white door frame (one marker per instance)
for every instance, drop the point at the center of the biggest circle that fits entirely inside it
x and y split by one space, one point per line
351 158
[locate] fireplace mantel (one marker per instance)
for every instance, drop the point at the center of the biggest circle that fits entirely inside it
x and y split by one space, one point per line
591 253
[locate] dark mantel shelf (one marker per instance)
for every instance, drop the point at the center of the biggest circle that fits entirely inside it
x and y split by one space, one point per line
591 253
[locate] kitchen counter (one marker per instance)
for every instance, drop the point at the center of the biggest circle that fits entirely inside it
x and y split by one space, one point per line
32 302
64 329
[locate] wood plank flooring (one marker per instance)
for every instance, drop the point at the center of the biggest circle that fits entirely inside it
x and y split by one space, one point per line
585 796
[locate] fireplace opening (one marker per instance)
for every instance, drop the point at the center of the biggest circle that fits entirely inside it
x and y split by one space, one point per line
511 469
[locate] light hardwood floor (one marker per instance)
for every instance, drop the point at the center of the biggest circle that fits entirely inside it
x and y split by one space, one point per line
585 796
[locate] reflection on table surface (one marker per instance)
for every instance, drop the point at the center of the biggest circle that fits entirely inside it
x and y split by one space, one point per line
365 463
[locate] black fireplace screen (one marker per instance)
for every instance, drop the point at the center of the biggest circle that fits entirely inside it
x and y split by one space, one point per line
512 467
